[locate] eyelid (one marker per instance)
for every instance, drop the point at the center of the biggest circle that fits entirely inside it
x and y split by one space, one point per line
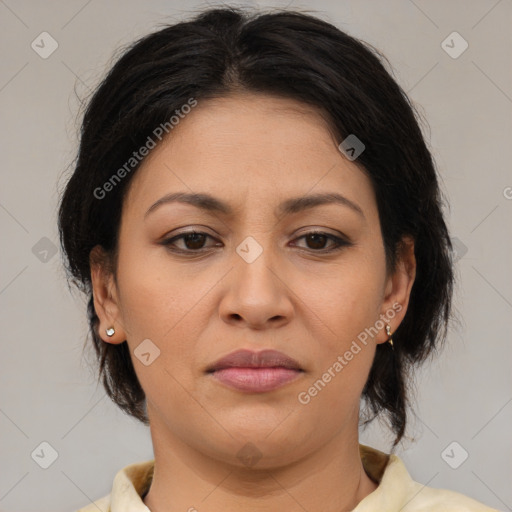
338 241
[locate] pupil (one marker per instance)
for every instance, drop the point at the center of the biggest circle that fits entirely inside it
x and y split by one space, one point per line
315 238
194 238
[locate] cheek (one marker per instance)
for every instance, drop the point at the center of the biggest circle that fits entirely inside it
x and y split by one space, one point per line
347 298
154 297
165 304
165 309
347 303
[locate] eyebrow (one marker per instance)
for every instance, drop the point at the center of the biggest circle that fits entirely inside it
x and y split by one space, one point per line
293 205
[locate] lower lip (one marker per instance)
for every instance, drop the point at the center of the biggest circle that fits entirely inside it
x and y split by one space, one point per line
256 380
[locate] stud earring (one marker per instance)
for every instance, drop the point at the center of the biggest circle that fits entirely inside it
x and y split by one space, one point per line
110 331
388 332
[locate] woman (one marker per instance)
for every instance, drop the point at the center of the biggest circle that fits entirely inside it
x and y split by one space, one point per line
256 220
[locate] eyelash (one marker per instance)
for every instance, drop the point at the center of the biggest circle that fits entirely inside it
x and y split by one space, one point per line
339 243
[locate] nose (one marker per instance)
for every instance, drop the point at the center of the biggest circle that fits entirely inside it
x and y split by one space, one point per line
257 295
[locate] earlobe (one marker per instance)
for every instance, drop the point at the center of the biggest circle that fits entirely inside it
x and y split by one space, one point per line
398 288
104 298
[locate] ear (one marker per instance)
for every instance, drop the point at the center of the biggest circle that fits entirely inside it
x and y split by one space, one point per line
105 298
398 289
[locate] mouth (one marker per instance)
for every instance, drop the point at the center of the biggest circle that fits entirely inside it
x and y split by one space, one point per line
256 380
255 372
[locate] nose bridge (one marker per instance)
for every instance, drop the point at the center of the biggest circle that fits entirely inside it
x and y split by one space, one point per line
256 294
255 263
258 227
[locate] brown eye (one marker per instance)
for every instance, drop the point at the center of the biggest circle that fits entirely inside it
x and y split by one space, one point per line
193 241
316 241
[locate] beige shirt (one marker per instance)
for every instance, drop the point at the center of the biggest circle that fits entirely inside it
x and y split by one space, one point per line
397 491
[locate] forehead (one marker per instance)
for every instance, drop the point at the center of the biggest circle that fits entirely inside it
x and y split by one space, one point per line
251 150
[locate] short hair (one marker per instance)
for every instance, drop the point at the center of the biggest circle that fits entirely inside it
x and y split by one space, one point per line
288 54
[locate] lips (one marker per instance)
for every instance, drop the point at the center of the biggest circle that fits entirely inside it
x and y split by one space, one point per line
249 359
255 372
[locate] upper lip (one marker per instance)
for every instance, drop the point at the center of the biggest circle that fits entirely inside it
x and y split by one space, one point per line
250 359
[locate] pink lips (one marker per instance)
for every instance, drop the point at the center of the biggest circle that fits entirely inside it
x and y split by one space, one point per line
255 372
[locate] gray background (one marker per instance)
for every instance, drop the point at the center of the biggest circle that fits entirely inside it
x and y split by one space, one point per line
48 391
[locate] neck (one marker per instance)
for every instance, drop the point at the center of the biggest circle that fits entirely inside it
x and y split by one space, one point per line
332 479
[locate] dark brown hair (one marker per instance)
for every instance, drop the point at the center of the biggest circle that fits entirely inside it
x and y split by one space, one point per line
283 53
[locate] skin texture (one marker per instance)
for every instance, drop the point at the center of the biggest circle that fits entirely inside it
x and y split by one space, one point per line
253 152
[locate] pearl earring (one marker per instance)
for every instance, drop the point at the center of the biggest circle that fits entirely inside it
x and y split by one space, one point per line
110 331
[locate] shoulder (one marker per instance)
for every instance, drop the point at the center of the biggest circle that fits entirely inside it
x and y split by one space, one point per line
420 498
128 486
101 505
397 490
443 500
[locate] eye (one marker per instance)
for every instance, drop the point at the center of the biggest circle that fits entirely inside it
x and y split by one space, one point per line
194 242
318 239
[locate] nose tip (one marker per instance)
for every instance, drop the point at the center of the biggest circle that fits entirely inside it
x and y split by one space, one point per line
236 317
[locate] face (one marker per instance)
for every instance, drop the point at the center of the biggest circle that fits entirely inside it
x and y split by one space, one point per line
254 276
